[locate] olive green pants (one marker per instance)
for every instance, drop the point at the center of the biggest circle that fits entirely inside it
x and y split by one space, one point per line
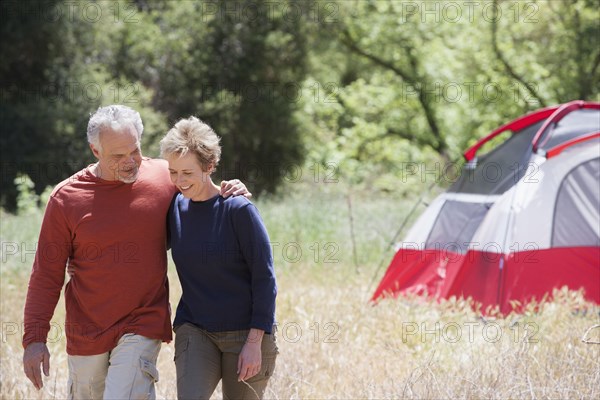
204 358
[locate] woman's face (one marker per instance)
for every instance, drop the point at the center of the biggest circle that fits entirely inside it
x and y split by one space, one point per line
187 174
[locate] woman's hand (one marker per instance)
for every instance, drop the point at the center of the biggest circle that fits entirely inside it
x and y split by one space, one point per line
250 359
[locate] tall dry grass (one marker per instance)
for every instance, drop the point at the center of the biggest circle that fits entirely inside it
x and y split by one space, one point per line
334 345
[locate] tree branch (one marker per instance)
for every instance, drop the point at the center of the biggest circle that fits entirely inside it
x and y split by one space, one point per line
505 63
349 42
441 147
595 65
413 79
422 142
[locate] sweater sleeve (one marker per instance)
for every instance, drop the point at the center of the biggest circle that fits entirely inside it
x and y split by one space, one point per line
256 249
48 273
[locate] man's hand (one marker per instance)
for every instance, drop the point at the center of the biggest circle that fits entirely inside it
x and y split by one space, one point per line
250 359
234 187
35 354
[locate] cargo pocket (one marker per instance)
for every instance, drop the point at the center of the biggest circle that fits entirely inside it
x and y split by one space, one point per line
143 385
269 366
180 358
269 345
70 395
91 388
149 369
266 371
270 350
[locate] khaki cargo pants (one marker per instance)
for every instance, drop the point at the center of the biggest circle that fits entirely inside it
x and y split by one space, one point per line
126 372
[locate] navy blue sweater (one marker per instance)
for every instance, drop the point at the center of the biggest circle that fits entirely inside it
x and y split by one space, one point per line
225 264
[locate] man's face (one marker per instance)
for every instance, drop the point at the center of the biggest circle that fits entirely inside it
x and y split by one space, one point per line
120 157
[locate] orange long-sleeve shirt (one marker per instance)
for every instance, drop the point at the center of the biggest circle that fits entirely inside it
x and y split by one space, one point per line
110 238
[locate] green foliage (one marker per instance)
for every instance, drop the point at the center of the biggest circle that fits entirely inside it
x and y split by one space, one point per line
56 74
417 82
27 200
240 73
366 86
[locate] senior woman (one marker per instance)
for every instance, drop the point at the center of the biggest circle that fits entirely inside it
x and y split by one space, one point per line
224 323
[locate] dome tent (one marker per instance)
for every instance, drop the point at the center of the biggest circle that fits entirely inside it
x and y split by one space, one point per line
530 227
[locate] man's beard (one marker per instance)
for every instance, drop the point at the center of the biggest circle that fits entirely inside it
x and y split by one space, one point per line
129 178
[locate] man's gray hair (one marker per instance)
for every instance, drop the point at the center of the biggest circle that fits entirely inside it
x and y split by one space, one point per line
114 117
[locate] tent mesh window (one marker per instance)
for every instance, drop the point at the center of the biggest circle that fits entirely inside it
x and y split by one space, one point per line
501 168
577 212
455 225
574 124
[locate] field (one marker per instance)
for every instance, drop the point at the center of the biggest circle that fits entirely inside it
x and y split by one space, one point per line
333 343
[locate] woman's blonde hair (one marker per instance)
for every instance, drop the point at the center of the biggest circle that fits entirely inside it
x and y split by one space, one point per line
192 135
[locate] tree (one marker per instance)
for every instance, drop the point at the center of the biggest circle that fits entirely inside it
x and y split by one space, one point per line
54 74
239 67
36 99
552 50
431 77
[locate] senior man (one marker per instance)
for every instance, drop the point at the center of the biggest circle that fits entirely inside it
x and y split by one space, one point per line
106 227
